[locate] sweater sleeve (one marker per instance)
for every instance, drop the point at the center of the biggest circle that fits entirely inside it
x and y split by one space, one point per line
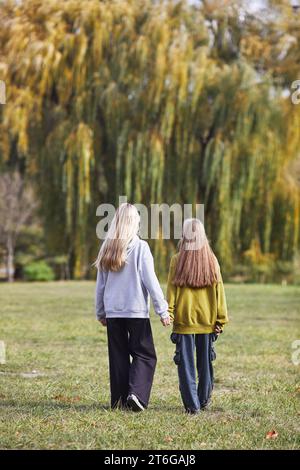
151 283
99 295
171 290
222 315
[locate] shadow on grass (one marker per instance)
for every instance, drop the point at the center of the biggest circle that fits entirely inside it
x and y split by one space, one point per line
48 406
53 405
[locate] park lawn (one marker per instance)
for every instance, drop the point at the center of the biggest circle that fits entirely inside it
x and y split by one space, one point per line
54 387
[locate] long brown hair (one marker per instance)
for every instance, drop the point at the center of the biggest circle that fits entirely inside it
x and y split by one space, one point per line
197 265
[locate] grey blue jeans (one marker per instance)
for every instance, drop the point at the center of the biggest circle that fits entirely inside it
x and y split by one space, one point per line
195 394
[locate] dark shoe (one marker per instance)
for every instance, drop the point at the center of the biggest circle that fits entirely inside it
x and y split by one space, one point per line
134 403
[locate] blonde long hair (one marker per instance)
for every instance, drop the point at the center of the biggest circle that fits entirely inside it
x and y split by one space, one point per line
196 266
124 227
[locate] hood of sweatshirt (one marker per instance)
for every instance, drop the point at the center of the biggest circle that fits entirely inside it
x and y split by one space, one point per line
132 244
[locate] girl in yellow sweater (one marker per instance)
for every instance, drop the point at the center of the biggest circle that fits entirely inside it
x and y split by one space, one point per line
197 306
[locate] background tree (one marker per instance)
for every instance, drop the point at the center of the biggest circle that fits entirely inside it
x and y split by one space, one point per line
162 101
17 206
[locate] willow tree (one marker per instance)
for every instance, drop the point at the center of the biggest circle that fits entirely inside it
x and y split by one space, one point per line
160 101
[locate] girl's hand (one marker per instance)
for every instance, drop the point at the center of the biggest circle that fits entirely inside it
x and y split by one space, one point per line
166 321
103 321
218 329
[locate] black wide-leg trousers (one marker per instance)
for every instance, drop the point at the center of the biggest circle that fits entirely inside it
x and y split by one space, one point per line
132 359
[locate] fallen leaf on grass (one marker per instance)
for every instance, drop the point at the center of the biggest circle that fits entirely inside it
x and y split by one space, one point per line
73 399
272 434
66 399
168 439
60 398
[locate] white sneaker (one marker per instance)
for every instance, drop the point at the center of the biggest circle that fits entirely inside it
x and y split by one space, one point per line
134 403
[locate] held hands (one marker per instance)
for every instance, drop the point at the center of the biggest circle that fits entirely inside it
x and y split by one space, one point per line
166 321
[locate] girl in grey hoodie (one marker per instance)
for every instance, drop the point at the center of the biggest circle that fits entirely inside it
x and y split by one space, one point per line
125 280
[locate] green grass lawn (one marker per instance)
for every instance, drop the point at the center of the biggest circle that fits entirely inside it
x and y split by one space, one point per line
51 329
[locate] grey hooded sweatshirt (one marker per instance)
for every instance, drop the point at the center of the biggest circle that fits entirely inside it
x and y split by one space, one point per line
125 294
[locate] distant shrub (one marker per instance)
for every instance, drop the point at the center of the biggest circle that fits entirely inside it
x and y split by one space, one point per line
38 271
264 267
261 265
240 273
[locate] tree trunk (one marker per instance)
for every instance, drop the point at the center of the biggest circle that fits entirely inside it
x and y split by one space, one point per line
10 266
